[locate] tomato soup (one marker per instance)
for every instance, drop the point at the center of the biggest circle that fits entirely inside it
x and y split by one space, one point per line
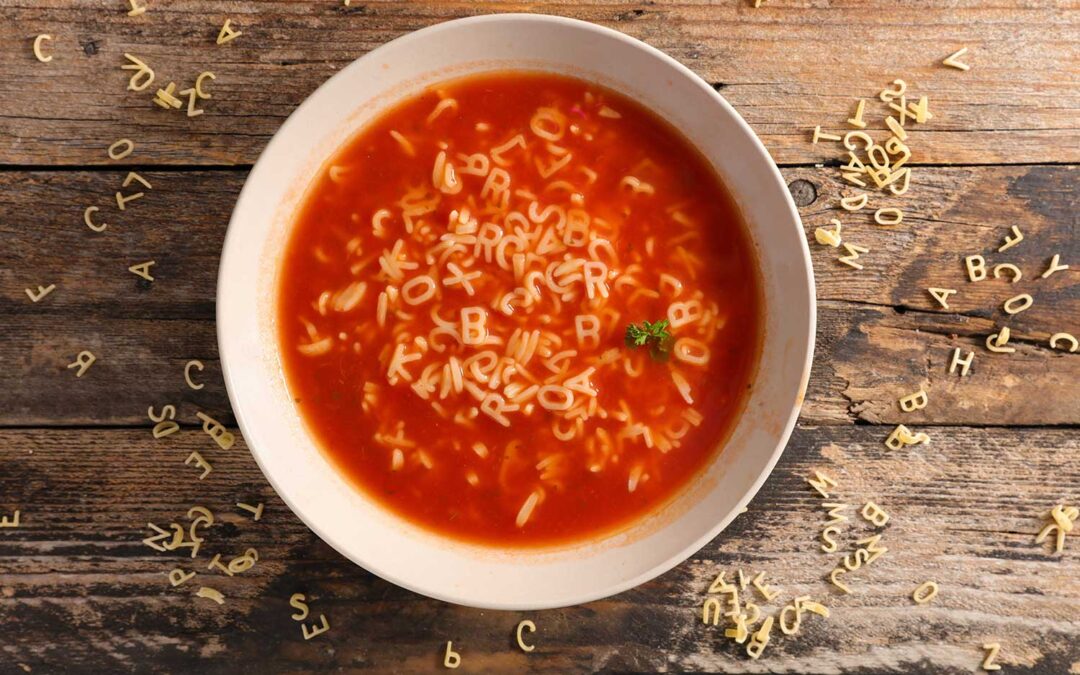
519 309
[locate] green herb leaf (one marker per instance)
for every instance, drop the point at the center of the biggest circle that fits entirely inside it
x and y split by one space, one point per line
653 335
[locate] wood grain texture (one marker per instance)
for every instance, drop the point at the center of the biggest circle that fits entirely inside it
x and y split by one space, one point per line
786 67
866 358
949 213
880 335
87 595
80 593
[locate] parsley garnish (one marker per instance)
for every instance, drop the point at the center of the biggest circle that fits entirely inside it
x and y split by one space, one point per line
653 335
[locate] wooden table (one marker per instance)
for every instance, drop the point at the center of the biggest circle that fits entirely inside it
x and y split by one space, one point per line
80 592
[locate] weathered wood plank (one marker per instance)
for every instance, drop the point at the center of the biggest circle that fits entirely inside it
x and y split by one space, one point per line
786 67
87 596
949 214
139 363
866 358
880 336
181 223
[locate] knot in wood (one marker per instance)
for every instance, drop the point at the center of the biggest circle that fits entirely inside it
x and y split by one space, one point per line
803 192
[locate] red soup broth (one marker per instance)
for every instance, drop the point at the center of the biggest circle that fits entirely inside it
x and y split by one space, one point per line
454 302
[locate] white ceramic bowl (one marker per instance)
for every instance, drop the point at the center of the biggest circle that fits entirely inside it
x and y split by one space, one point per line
382 542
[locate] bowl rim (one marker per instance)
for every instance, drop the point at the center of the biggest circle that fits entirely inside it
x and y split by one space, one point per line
231 242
